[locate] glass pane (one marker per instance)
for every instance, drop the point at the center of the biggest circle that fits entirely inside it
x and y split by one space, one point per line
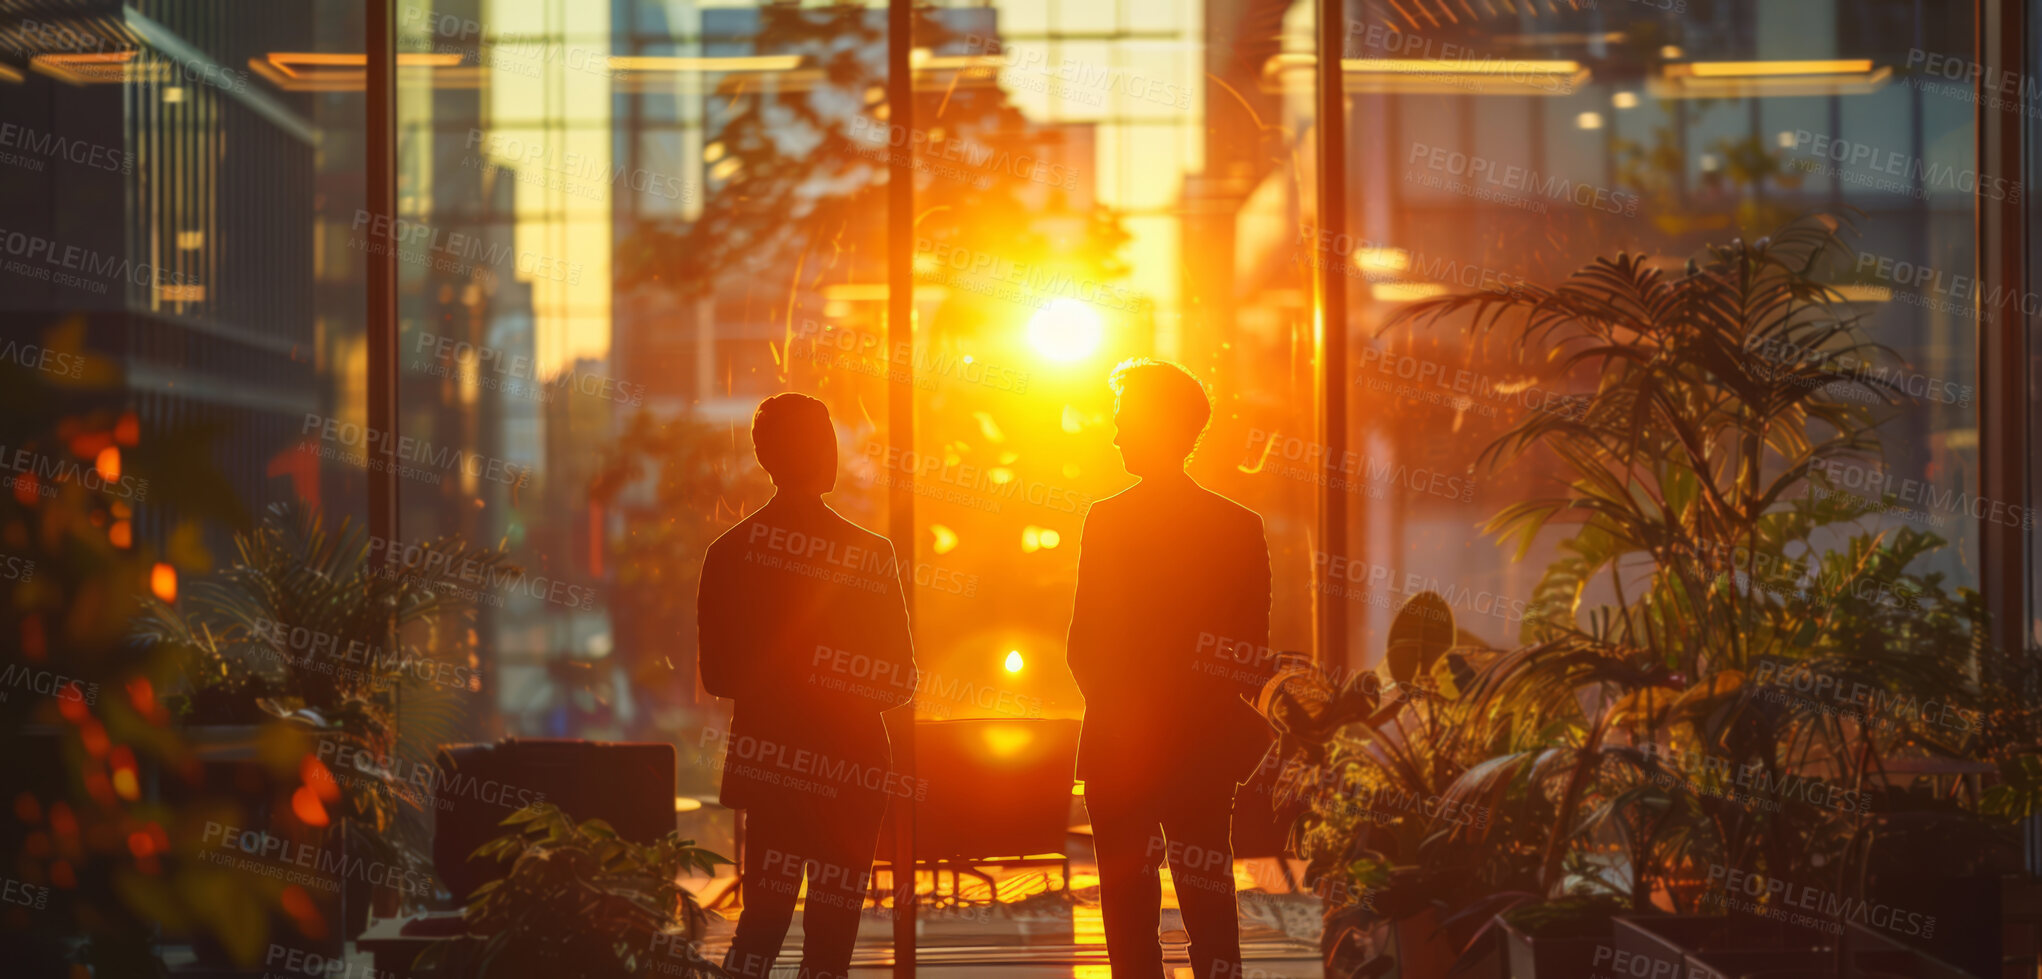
179 312
1504 152
627 226
1664 319
1093 183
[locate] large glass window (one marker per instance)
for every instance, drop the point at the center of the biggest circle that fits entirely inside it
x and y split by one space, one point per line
180 319
1495 152
618 227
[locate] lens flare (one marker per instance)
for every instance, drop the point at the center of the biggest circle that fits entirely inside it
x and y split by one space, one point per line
1013 661
1066 330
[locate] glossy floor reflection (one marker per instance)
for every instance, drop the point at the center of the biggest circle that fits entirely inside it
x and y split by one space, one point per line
1035 928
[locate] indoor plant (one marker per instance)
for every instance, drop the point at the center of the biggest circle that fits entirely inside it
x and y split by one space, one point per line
1702 463
1410 862
347 647
577 900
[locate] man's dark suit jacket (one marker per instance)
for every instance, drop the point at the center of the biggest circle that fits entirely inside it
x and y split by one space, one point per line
1172 579
803 625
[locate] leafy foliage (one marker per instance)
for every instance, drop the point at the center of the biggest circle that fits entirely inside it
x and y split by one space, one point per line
1627 746
345 638
1404 810
76 568
797 174
577 900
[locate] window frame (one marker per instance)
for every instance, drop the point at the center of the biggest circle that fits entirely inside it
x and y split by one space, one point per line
2007 550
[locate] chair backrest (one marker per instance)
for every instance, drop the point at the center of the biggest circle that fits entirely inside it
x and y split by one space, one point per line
628 785
996 787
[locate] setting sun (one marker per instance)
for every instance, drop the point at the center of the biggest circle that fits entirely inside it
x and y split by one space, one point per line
1066 330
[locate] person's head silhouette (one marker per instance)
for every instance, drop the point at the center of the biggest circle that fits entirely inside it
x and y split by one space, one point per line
1159 413
796 444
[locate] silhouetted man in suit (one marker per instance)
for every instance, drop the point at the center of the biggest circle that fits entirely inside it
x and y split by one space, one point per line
804 626
1170 577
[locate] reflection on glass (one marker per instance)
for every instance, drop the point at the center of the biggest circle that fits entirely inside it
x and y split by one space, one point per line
1499 152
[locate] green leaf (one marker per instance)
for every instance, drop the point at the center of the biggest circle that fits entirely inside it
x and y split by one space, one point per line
1421 633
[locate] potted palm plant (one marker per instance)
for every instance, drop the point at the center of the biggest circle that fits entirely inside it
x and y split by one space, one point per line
1700 486
344 646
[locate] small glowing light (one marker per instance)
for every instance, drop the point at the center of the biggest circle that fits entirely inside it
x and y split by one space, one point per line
1624 100
1051 538
109 464
1708 162
1863 293
712 152
1031 539
1006 742
306 806
315 774
1404 292
946 539
967 358
1432 66
988 427
1672 52
125 783
731 63
142 694
1001 476
163 582
1785 139
683 803
1750 69
121 534
1588 120
725 169
1014 662
173 94
1382 259
191 240
1066 330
